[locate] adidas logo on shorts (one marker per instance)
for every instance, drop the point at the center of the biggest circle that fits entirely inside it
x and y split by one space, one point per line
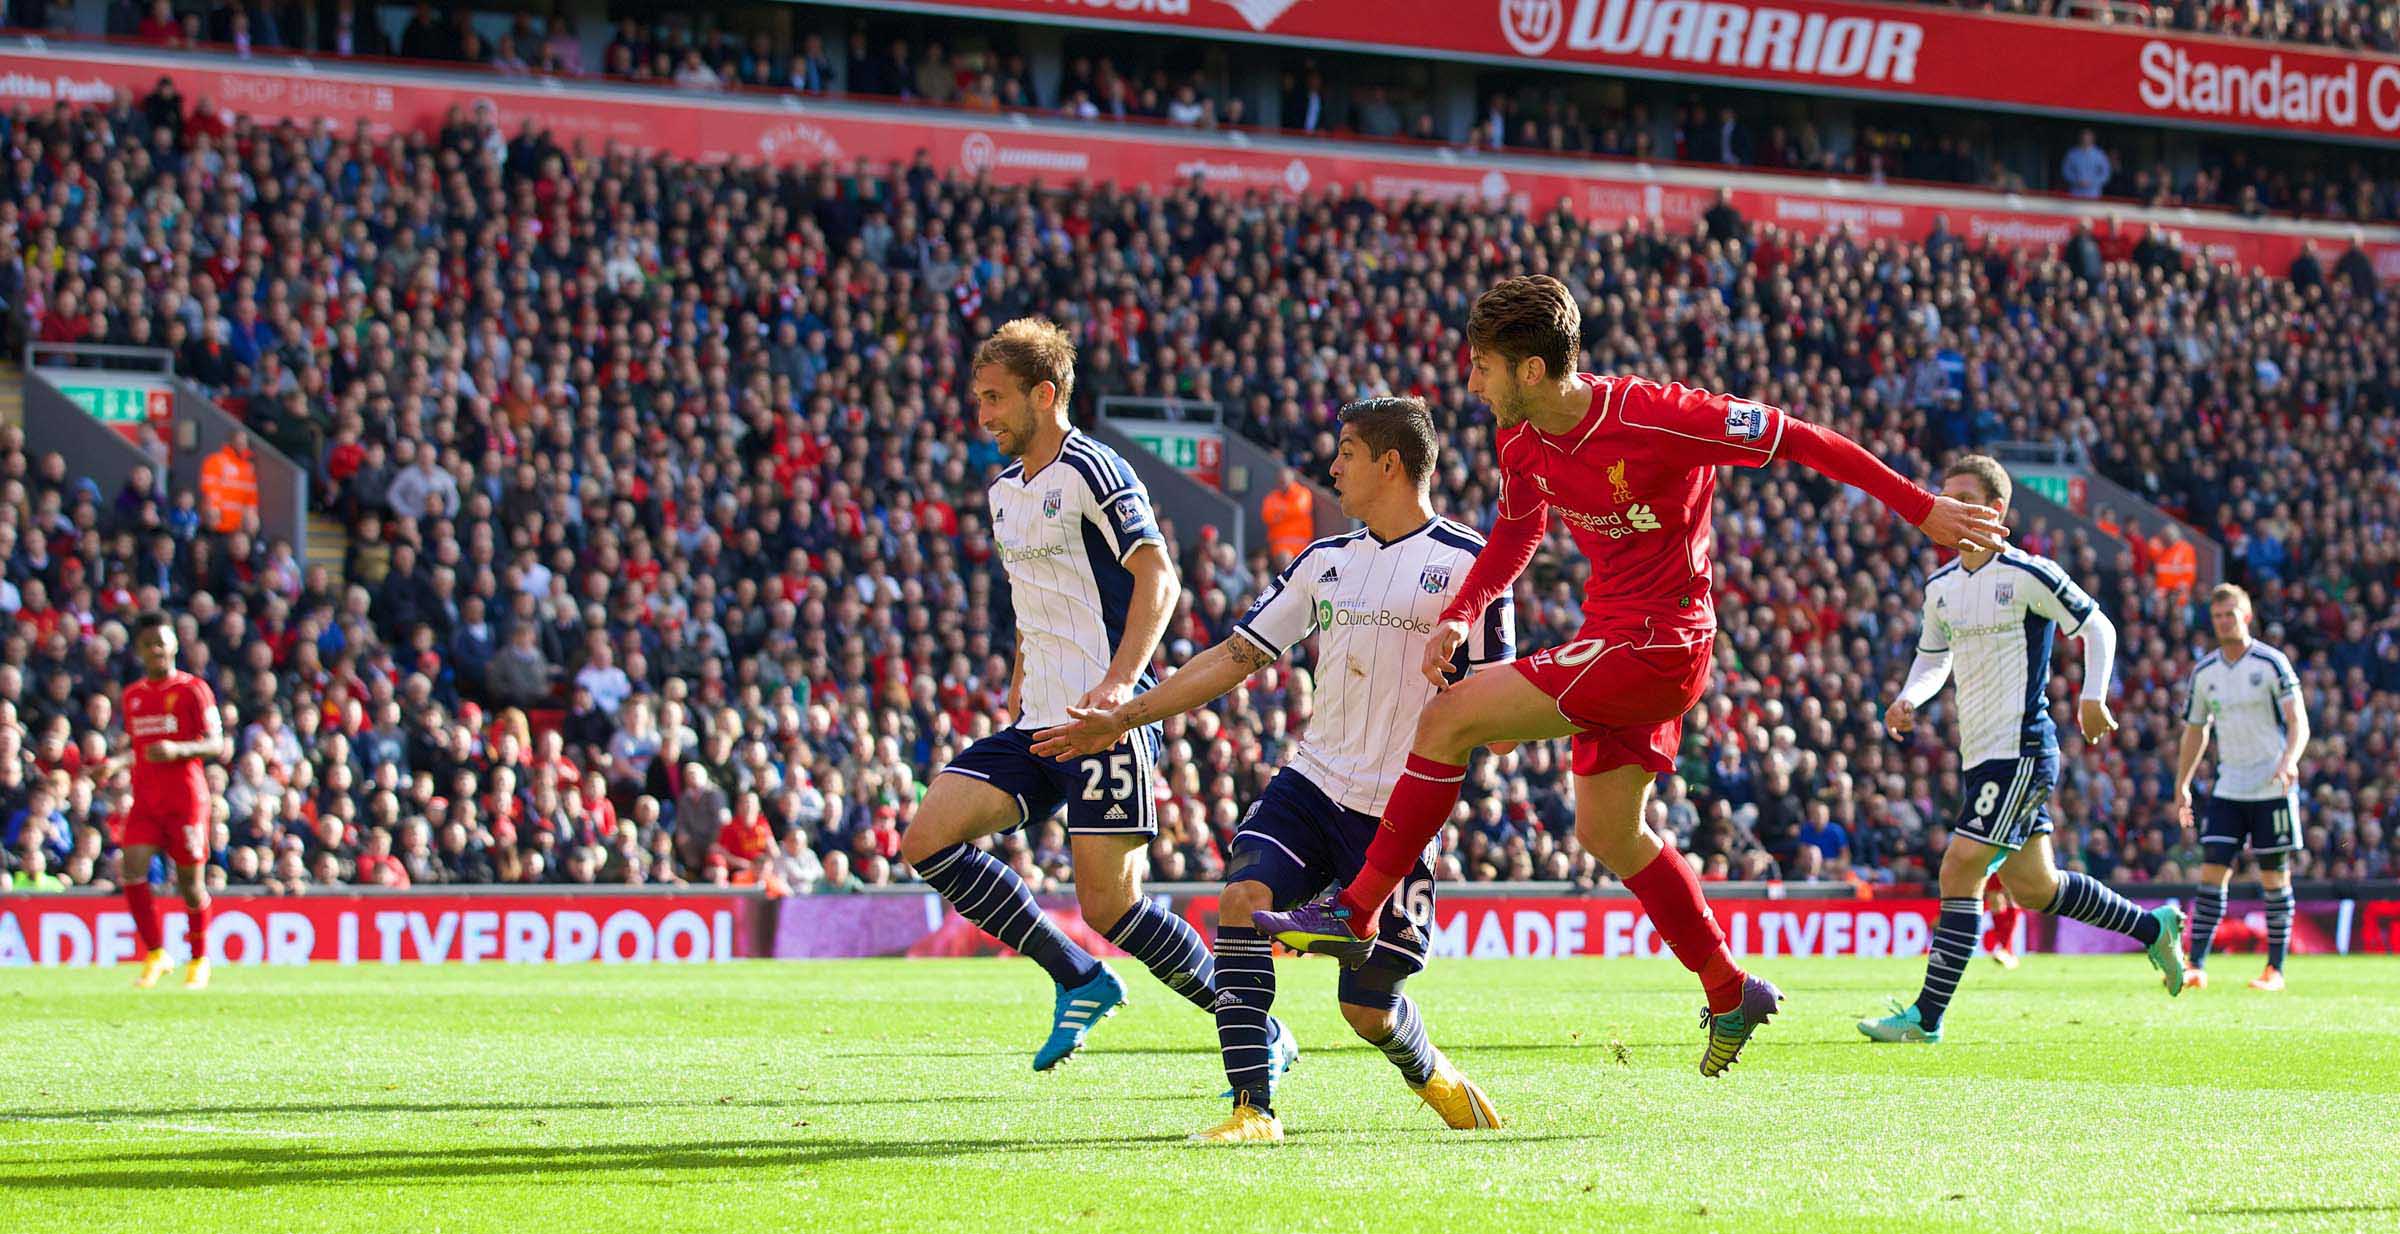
1116 814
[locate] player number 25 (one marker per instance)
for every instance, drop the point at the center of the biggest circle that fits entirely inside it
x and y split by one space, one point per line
1119 770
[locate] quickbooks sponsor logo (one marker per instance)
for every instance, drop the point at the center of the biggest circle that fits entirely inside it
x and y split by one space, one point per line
1328 617
1014 555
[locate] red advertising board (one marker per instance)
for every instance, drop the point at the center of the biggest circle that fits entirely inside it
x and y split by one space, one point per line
756 129
1877 50
434 929
1511 927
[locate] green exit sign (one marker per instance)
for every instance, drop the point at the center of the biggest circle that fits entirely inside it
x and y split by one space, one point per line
1181 453
1196 451
2055 488
121 405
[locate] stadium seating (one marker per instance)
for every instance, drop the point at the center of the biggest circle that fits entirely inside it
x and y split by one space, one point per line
664 501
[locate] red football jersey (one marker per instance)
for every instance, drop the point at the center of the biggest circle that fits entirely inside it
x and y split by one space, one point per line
1636 482
181 708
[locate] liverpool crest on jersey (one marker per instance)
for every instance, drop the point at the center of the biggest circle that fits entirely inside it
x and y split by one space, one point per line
1051 501
1618 488
1435 580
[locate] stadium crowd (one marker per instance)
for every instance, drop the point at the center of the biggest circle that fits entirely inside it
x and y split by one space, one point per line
667 558
2364 25
830 52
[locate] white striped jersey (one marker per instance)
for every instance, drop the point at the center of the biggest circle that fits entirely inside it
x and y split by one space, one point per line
1372 605
1997 625
1064 534
2243 700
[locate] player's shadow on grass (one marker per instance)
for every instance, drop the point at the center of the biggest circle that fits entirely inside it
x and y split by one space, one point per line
114 1113
1128 1051
241 1167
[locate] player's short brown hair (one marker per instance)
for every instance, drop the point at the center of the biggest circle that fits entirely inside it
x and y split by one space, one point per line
2229 591
1987 472
151 619
1033 350
1530 317
1399 424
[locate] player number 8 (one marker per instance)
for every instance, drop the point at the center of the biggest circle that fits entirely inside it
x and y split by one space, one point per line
1989 797
1119 770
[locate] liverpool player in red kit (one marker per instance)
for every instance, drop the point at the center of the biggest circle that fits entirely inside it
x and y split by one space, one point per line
1631 466
172 722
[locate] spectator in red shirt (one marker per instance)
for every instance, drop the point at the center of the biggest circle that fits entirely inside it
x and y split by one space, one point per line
56 751
158 27
377 867
744 839
65 322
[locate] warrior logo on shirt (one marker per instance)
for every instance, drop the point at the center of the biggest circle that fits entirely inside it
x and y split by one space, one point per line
1745 421
1622 491
1435 580
1051 501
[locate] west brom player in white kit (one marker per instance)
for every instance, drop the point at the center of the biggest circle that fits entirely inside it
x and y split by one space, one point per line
1994 614
1092 587
1372 598
2248 695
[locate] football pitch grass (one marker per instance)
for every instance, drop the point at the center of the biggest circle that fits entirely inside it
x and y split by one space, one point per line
897 1095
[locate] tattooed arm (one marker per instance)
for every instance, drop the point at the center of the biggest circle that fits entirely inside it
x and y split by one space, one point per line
1209 676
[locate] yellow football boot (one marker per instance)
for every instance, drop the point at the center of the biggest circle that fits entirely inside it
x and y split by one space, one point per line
1456 1098
1246 1125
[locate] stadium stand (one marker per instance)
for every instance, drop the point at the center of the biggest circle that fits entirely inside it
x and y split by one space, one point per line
664 506
814 50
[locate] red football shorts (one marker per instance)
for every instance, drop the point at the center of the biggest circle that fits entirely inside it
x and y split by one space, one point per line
1627 692
181 832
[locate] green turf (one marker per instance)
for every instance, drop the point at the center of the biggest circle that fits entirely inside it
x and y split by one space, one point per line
2071 1095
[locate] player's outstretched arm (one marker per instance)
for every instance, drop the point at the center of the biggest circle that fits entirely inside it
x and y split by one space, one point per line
1950 523
1210 676
1506 553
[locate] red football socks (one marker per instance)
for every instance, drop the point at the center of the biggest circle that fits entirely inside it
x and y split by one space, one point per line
145 914
1670 893
1421 802
196 933
2004 928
